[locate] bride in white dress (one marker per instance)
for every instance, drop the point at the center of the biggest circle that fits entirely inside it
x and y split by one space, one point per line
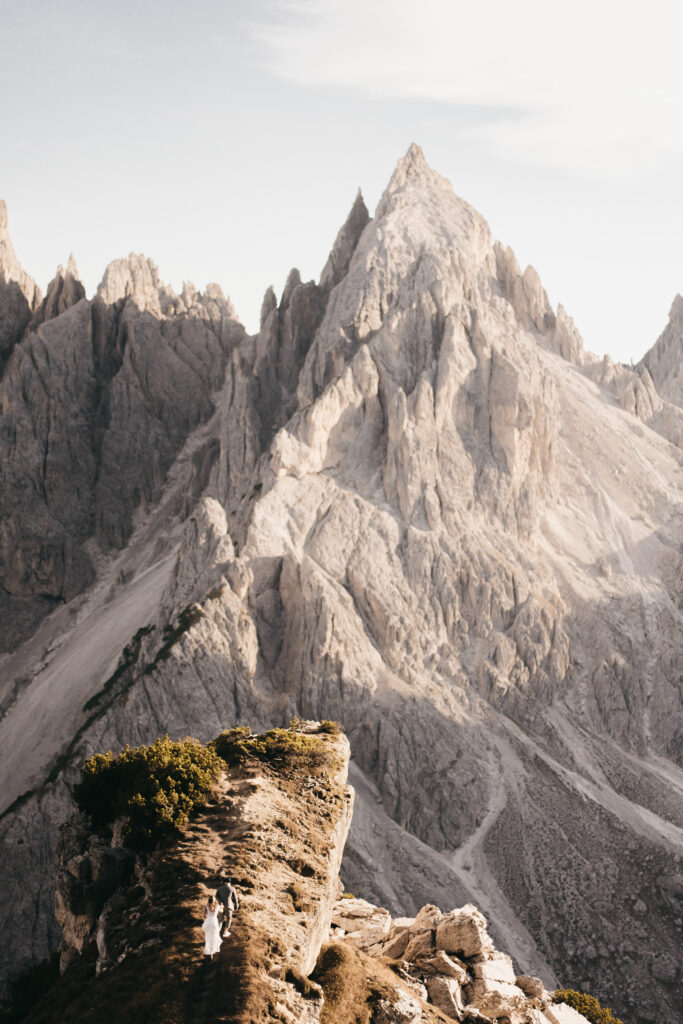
211 927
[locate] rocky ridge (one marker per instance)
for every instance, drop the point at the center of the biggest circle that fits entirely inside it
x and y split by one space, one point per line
448 961
132 939
664 360
416 509
132 942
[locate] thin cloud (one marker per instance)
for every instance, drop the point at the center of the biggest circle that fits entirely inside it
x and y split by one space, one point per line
591 86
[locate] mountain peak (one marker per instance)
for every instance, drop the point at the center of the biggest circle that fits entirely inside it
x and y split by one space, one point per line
19 294
345 244
135 278
413 169
415 155
64 291
664 361
676 311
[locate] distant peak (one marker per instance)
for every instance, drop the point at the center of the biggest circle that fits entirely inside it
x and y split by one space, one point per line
64 291
3 215
412 172
345 244
71 269
268 305
413 165
135 278
359 202
415 154
293 281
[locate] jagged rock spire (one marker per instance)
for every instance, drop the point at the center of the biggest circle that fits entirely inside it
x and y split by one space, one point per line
19 294
345 244
136 278
665 359
268 305
64 291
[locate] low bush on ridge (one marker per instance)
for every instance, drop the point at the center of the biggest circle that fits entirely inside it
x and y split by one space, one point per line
153 788
280 747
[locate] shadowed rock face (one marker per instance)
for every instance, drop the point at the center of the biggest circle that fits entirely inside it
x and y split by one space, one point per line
19 295
63 292
425 515
98 399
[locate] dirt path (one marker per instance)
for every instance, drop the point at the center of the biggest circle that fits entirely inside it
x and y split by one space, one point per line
216 993
471 867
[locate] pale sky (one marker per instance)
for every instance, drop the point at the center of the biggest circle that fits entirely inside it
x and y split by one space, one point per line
226 140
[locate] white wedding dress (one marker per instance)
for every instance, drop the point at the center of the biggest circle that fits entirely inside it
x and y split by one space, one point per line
212 933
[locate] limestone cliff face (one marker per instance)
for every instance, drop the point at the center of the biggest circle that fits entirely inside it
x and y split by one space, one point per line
97 401
19 294
419 509
664 361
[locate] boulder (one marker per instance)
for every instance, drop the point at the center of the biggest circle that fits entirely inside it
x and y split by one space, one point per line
496 968
363 923
420 944
446 995
532 987
402 922
561 1013
428 917
442 964
463 931
496 998
405 1009
396 945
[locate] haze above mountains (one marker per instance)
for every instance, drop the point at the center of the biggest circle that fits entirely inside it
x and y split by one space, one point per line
411 503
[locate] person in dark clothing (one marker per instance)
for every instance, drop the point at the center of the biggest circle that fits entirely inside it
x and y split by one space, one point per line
226 893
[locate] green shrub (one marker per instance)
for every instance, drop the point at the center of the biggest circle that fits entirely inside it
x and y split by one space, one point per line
586 1005
233 746
333 728
153 788
280 747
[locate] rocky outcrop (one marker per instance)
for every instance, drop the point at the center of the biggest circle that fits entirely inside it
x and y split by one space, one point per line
637 394
19 294
90 870
279 833
449 962
64 291
528 298
664 361
132 922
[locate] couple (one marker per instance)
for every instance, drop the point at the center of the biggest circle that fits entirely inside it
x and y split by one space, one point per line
225 902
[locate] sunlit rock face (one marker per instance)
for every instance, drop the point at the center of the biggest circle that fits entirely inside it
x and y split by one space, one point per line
418 508
664 361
